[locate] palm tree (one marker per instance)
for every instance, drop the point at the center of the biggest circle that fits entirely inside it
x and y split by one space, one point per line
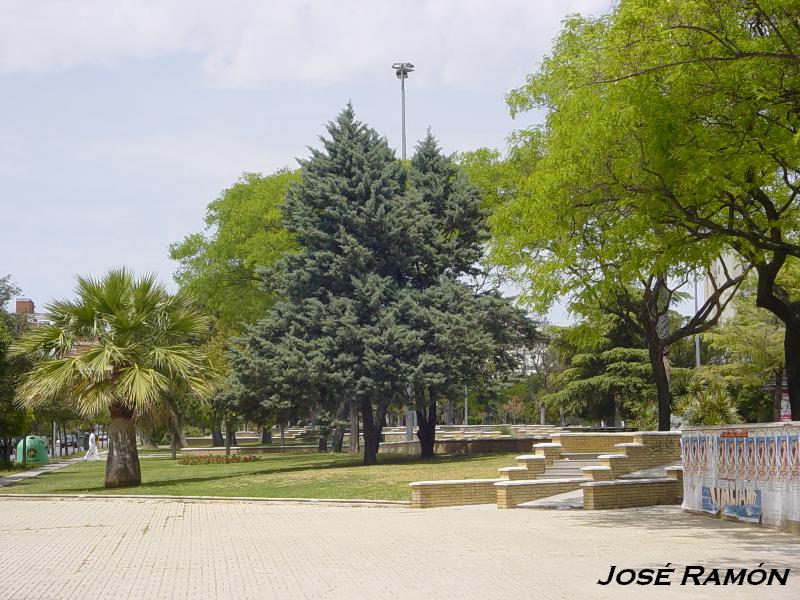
121 345
707 402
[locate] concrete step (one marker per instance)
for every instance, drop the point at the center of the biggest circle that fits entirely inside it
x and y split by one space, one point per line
582 455
570 475
576 463
562 469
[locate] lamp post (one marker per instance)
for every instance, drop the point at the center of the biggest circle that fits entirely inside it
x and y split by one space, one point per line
402 69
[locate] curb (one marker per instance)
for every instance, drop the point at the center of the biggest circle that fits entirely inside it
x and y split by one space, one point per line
317 501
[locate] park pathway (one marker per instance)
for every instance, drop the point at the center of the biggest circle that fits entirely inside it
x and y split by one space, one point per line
172 549
36 471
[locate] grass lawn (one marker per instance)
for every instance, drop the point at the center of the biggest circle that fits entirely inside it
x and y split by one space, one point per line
275 476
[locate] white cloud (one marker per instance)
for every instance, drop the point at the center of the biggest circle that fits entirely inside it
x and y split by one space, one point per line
246 43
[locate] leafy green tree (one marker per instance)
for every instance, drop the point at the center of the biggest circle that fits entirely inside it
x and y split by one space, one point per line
682 117
462 337
607 375
13 420
120 345
361 240
220 266
751 341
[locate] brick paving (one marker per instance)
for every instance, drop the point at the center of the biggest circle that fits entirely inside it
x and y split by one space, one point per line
135 548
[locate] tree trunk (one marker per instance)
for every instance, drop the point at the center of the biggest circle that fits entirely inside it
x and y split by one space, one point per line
122 465
426 423
227 439
337 441
173 445
322 446
450 411
216 437
147 439
338 431
283 436
656 353
5 451
791 348
354 445
230 435
373 425
266 434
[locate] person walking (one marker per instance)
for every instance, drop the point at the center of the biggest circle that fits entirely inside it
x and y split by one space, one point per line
93 452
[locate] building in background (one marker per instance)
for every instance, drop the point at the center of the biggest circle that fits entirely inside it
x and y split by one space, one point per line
730 263
26 306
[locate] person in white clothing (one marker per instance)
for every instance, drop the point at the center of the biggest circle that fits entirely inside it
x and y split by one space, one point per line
92 453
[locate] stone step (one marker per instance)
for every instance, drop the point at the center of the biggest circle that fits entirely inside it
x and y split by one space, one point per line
570 475
582 455
577 463
564 469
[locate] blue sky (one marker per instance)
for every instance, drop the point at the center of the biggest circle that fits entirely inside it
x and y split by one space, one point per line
122 120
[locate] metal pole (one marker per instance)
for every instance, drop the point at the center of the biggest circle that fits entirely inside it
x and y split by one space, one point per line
696 337
403 109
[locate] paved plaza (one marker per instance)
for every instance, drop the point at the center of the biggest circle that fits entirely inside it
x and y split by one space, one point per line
137 548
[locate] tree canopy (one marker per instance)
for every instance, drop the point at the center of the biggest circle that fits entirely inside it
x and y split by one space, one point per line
220 266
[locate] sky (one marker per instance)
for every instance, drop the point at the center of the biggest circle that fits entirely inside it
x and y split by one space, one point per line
121 120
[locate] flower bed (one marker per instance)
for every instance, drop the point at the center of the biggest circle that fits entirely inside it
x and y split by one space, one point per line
213 459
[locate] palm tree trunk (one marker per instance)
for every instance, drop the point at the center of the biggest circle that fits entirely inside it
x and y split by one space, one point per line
122 466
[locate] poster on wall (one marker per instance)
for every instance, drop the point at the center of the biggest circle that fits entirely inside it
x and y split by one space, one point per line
744 472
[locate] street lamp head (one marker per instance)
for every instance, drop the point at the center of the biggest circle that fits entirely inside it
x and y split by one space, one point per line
402 69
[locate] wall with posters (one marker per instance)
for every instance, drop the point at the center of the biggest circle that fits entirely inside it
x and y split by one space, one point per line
746 472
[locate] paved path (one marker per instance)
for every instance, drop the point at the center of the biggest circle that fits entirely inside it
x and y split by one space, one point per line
121 548
36 471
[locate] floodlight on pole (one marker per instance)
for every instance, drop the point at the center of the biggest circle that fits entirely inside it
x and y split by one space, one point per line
402 69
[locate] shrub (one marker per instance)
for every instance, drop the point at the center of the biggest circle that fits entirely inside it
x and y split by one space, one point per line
213 459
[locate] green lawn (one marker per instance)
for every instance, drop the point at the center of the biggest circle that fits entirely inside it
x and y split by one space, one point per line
275 476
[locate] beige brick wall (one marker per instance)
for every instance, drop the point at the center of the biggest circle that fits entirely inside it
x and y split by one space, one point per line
627 494
512 493
590 442
535 464
431 494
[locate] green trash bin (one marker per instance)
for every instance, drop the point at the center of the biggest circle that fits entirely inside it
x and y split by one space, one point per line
36 449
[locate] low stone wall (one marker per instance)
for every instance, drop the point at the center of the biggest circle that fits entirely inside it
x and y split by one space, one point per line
648 449
590 442
464 447
628 493
431 494
510 494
